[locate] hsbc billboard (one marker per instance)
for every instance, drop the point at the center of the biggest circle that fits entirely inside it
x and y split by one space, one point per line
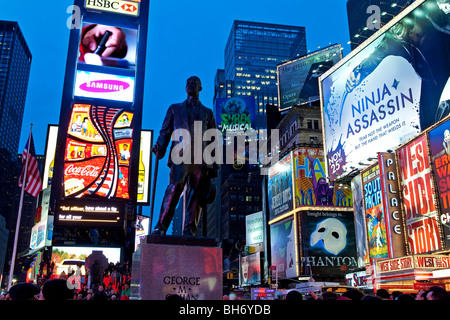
97 158
119 6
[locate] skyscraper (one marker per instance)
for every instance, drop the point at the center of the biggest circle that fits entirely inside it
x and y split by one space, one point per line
15 66
365 17
252 54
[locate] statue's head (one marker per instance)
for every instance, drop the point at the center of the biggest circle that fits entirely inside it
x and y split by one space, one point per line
193 86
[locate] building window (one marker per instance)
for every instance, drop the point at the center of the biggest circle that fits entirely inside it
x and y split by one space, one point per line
316 124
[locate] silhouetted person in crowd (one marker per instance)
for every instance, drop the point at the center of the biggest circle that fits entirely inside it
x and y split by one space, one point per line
23 291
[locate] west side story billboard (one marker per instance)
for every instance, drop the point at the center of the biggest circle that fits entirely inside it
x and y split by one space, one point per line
98 146
390 89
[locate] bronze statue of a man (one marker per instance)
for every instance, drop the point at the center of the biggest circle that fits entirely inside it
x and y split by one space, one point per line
196 175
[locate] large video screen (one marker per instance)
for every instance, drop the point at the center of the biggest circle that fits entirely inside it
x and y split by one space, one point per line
299 79
67 258
105 45
97 152
389 90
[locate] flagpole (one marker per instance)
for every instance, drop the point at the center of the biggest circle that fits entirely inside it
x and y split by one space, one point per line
19 214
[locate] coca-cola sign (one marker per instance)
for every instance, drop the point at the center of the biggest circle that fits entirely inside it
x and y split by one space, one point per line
84 171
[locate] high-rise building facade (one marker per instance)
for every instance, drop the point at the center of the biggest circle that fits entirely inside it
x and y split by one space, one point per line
252 54
365 17
15 66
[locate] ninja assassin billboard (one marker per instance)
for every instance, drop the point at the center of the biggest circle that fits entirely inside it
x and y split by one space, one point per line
390 90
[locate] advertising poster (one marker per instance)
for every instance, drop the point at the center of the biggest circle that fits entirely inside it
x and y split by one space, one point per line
250 270
389 91
328 242
97 153
360 222
282 243
47 176
254 228
299 79
144 175
419 209
142 230
280 187
375 213
311 185
235 114
440 157
105 45
40 231
392 204
104 86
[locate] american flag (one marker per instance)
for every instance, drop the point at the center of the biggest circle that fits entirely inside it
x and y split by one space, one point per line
33 178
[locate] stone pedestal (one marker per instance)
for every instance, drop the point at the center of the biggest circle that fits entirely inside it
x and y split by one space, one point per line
188 267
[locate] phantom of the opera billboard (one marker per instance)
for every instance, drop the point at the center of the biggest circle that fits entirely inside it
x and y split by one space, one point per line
387 91
98 155
299 78
328 243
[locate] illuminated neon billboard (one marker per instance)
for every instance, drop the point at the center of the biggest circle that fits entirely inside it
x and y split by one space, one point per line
98 150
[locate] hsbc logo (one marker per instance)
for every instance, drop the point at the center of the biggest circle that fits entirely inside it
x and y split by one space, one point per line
116 6
128 7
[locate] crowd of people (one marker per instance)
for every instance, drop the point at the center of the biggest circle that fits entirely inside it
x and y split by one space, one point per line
434 293
114 284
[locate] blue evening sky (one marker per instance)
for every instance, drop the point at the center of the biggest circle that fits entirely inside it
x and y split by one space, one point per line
185 38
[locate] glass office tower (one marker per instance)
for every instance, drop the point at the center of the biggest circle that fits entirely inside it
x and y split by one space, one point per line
252 54
15 66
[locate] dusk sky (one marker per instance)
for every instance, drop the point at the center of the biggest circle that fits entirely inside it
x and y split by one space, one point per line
185 38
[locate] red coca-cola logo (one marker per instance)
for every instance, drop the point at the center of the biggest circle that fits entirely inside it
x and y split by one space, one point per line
86 171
